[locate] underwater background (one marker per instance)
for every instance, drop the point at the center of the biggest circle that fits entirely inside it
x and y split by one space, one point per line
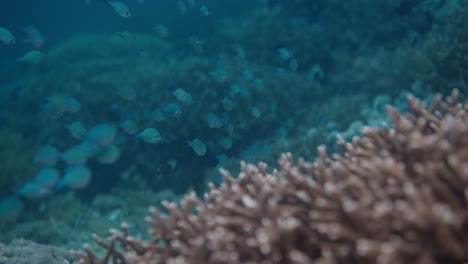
108 107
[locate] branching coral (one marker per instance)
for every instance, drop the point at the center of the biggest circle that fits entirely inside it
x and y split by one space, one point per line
397 195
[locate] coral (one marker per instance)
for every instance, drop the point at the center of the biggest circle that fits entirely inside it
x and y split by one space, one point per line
396 195
21 251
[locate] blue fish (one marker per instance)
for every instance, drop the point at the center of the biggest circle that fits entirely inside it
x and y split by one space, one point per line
108 154
150 135
172 109
102 134
47 156
198 146
46 177
76 129
76 177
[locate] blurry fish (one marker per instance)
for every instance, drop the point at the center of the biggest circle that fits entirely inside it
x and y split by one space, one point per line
258 83
234 89
76 177
315 73
46 177
33 190
126 36
120 8
221 157
6 37
10 208
47 156
227 103
33 57
72 105
196 43
162 31
129 126
108 154
34 36
219 74
255 112
238 50
126 92
150 135
213 121
157 115
248 74
229 128
293 65
225 142
191 3
76 129
198 146
60 103
102 134
182 8
204 11
172 109
141 2
284 53
183 96
78 154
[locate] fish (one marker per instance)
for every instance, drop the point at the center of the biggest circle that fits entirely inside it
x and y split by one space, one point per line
31 57
72 104
162 31
102 134
34 36
6 37
234 89
127 92
182 96
213 121
227 103
33 190
76 177
46 177
182 8
191 3
172 109
225 142
255 112
129 126
284 53
198 146
108 154
76 129
204 11
293 65
238 50
157 115
79 154
221 158
46 156
258 83
120 8
150 135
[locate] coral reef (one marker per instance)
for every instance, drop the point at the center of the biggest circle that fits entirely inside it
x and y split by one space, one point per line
22 251
396 195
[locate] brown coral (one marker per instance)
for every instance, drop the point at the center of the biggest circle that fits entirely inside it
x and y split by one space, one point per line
397 195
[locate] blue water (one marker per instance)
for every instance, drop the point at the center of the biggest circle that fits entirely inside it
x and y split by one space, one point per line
266 77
